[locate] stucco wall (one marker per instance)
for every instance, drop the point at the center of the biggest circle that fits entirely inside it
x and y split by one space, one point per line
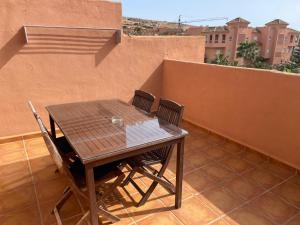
260 109
61 65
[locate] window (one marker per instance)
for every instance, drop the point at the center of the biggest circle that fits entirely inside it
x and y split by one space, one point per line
292 39
223 38
210 38
242 38
216 38
218 52
280 40
270 38
230 38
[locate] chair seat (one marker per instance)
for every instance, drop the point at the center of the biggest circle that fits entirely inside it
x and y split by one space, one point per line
146 159
77 169
101 173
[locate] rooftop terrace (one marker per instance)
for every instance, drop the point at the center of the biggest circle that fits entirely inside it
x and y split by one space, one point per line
245 175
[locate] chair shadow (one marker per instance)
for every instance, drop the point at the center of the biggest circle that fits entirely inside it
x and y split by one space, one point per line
12 47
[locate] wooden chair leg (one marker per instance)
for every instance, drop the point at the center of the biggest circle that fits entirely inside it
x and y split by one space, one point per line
130 176
67 194
83 218
147 194
108 215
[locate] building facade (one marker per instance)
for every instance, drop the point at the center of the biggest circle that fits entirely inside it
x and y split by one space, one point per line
275 40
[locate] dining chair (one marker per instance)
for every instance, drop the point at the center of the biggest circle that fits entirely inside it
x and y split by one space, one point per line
74 171
143 100
171 112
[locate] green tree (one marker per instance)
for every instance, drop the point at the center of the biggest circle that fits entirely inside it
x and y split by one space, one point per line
249 51
296 55
223 60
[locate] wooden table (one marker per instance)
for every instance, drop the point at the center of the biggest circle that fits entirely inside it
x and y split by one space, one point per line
89 130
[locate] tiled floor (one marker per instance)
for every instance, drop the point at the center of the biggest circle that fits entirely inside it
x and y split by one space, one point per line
224 184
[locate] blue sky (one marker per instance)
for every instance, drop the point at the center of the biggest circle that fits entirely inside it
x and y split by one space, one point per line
258 12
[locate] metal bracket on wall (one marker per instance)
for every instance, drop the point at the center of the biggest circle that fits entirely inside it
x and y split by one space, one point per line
118 32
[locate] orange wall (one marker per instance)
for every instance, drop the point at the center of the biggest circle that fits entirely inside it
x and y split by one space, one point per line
260 109
68 65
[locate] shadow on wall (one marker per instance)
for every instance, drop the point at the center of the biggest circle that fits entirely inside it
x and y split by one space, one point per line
153 85
58 44
12 47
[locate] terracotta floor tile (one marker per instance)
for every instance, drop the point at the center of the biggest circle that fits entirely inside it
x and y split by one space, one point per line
11 146
218 173
294 221
51 190
253 157
295 179
221 200
13 168
200 143
17 199
165 218
39 164
198 181
15 181
279 169
197 158
117 209
237 164
28 216
243 188
37 153
150 207
233 148
220 222
69 209
274 208
12 157
194 212
290 192
247 216
35 143
216 152
187 167
169 199
130 189
216 139
262 177
48 173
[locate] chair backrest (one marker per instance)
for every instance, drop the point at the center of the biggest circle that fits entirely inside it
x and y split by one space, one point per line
143 100
171 112
48 139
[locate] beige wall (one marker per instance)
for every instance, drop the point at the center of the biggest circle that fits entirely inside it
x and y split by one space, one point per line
66 66
260 109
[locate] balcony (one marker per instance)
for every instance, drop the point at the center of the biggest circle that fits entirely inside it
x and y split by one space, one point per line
241 157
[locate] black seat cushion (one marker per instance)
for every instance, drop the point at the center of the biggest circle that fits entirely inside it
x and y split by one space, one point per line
145 159
101 173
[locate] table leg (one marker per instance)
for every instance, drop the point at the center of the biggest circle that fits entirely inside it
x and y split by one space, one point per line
52 127
89 173
179 173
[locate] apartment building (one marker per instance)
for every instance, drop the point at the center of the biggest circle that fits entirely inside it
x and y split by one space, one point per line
276 41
